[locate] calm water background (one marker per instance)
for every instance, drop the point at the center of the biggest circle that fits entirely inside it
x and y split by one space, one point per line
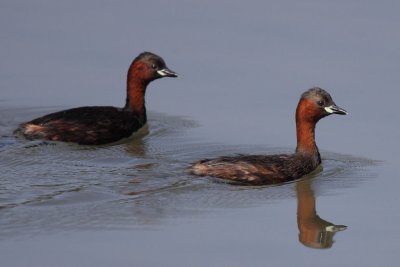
242 66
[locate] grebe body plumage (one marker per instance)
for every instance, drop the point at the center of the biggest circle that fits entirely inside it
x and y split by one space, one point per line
314 104
98 125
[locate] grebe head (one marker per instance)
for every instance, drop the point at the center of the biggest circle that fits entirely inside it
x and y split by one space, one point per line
316 103
148 67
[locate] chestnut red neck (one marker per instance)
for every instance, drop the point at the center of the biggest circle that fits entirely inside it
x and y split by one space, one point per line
306 119
137 82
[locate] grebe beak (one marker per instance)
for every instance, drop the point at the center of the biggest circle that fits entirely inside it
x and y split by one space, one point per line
335 228
333 109
165 72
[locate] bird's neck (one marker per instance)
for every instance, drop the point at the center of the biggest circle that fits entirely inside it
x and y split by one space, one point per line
136 90
305 131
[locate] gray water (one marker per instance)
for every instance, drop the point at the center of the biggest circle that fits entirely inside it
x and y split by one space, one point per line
242 66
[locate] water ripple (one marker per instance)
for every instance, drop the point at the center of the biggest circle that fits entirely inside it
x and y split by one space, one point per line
139 181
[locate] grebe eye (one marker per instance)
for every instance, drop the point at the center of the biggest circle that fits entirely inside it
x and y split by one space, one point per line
321 103
154 66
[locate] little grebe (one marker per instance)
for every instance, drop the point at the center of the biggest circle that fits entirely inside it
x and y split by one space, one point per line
102 124
314 104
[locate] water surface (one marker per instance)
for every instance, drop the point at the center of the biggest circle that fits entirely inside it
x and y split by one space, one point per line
242 66
143 183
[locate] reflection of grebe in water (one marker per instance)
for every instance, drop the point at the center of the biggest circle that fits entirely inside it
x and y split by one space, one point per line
314 231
